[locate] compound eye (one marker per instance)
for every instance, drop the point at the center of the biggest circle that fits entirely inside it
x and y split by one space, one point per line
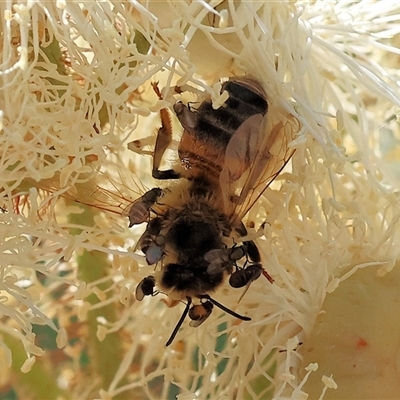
145 288
199 313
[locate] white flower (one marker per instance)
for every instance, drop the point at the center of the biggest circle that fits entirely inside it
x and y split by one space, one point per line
76 88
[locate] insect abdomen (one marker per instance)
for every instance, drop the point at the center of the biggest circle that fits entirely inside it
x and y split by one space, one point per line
219 125
203 147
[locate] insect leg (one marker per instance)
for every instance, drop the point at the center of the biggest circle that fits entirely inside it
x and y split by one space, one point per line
151 242
180 322
223 308
164 138
252 251
250 246
153 229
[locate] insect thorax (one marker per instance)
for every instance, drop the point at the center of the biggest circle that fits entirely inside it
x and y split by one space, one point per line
191 229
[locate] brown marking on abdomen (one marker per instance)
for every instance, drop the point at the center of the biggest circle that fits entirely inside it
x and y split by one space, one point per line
200 157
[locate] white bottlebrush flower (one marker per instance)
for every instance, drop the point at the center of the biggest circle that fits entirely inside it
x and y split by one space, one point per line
76 89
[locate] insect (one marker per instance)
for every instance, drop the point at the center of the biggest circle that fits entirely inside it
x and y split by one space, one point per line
227 158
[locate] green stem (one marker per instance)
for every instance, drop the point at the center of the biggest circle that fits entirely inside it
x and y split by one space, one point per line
41 381
106 355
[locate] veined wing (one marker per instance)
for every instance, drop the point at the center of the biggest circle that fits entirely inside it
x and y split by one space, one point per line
256 154
114 194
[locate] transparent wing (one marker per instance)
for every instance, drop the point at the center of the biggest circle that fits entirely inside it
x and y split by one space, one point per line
255 156
102 190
